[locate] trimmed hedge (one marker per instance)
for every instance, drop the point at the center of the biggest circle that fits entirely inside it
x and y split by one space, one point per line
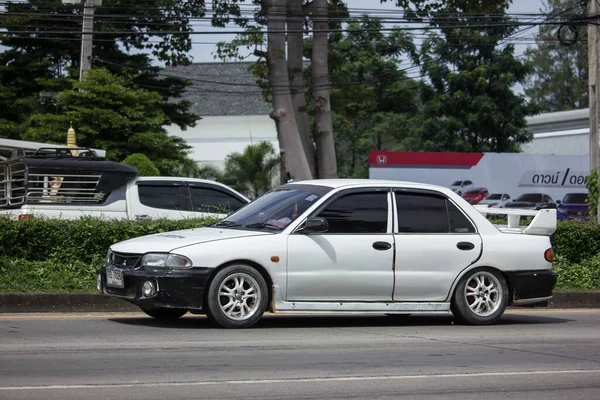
50 255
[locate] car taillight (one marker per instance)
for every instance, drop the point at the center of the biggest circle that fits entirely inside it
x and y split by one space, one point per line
549 255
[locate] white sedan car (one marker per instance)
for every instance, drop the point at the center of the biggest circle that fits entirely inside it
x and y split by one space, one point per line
366 246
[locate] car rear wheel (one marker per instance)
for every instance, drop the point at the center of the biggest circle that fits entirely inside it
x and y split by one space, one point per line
237 297
480 297
164 313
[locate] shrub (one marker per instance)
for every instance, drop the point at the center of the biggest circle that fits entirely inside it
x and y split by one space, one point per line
81 240
143 164
576 240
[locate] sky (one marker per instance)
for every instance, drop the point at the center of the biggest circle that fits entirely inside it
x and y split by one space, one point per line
205 52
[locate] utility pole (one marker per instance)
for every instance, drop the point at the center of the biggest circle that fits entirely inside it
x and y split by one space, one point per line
87 36
594 81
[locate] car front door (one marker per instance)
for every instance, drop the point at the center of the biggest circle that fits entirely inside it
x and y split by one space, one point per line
353 260
435 241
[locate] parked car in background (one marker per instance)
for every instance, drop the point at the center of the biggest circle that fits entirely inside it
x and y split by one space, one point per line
474 196
497 200
460 187
532 201
60 185
573 206
331 245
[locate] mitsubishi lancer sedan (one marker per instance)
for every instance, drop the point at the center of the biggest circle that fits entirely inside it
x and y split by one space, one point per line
368 246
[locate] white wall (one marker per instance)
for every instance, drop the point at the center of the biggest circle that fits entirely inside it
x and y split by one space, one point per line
572 142
214 138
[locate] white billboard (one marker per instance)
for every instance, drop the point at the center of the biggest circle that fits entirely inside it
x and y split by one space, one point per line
511 173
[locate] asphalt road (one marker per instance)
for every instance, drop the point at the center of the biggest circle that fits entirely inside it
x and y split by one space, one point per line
530 354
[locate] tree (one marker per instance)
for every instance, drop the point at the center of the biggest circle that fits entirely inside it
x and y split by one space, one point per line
560 73
41 55
372 99
252 171
469 104
144 165
112 113
289 17
326 158
294 158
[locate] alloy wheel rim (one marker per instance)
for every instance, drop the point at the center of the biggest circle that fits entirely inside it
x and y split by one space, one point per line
483 294
239 296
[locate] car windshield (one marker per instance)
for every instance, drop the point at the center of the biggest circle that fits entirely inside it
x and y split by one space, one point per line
457 183
530 197
576 198
274 210
495 196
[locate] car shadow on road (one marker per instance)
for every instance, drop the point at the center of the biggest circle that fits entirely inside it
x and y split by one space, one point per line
270 321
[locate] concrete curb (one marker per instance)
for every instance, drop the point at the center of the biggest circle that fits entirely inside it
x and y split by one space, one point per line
94 302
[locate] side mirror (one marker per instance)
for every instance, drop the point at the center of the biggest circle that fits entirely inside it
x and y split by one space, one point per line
557 201
315 225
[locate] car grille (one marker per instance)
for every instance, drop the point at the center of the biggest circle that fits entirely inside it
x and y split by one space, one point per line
128 261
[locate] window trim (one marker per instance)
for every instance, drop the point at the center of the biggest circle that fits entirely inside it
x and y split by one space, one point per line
345 192
430 192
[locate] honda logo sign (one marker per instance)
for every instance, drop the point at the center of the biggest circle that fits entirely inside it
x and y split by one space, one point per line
381 159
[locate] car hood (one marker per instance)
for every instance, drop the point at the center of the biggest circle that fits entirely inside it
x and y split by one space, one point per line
169 241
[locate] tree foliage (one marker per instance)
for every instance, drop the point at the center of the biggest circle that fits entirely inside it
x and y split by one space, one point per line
373 99
144 165
251 172
560 73
112 113
38 62
469 103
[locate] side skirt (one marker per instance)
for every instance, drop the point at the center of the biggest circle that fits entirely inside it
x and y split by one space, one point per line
280 305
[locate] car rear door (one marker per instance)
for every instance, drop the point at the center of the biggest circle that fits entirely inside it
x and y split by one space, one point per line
435 241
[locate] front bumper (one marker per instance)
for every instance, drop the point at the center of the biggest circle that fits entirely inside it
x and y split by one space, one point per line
531 286
175 289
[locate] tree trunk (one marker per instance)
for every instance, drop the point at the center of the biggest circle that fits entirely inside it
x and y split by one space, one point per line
326 159
290 144
295 55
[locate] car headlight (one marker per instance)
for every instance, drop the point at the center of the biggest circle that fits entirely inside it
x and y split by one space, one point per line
166 260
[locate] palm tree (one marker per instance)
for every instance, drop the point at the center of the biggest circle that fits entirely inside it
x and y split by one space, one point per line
251 172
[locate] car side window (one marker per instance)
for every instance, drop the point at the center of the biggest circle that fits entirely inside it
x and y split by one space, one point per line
163 197
421 213
459 223
430 213
358 213
547 198
213 201
468 183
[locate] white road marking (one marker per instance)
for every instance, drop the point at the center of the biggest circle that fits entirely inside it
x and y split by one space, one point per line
296 380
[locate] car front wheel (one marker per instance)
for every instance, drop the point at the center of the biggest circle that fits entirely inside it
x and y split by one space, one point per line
237 297
480 297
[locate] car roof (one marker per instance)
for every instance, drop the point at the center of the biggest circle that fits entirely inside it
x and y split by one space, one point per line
347 182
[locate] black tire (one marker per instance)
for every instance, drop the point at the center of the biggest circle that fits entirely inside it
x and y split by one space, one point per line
462 303
216 302
166 314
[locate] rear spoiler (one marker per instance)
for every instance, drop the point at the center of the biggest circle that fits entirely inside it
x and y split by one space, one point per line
543 223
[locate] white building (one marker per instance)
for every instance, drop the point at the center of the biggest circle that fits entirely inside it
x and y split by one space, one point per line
564 132
234 114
